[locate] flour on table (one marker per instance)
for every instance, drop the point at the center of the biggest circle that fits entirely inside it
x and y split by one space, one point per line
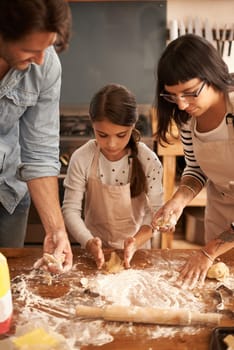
144 288
152 286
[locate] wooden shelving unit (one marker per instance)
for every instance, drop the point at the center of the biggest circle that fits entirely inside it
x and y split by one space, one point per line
169 154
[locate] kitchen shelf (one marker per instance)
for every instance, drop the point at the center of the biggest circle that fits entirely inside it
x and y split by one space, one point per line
169 154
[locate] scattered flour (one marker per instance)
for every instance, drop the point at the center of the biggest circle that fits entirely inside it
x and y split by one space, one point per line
152 286
145 288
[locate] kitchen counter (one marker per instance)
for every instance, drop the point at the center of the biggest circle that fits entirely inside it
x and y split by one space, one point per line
140 337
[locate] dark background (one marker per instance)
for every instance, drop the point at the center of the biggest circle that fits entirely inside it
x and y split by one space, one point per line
117 42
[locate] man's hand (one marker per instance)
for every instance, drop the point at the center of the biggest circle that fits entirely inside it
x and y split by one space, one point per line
59 247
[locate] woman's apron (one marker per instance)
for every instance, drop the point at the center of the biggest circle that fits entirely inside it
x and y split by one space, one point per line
216 159
110 212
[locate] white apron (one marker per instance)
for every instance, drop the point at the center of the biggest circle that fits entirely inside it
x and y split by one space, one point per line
110 212
216 159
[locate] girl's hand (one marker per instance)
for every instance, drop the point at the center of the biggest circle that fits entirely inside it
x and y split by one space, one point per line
129 250
195 270
94 247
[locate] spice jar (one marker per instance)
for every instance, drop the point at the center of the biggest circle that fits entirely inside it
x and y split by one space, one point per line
6 307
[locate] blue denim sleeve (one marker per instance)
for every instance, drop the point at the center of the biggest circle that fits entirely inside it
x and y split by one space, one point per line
39 125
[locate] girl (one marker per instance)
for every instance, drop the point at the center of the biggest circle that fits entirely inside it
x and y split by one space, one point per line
119 177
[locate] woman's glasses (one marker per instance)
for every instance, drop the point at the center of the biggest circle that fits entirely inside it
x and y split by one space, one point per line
189 96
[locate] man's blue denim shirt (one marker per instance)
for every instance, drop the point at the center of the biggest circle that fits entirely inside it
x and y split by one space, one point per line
29 127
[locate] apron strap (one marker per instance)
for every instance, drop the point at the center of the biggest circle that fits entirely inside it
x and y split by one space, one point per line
94 165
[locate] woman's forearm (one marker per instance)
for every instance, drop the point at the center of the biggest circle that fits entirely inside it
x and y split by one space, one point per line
188 188
220 245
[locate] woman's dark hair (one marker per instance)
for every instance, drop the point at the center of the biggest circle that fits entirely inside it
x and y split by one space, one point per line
117 104
19 18
190 56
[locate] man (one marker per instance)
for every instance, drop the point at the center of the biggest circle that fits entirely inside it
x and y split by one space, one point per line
30 79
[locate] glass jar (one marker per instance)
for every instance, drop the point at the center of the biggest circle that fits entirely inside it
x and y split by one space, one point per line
6 307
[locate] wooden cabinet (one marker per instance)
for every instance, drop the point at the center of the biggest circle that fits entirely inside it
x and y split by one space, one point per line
169 154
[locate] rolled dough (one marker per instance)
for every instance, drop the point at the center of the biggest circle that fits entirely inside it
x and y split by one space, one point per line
218 271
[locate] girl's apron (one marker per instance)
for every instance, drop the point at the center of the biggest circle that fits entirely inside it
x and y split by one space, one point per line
110 212
216 159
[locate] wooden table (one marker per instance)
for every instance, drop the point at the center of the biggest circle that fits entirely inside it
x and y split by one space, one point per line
21 261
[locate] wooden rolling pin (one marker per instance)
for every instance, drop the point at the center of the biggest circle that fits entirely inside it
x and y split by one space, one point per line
137 314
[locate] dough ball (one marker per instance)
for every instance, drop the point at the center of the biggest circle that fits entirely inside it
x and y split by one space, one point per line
229 340
162 224
51 260
114 265
218 271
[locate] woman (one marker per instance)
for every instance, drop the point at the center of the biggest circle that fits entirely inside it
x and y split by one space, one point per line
119 177
194 90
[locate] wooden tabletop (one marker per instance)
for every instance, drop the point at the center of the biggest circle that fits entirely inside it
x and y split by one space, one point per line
21 261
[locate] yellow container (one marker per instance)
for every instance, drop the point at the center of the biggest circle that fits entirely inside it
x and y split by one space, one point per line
6 307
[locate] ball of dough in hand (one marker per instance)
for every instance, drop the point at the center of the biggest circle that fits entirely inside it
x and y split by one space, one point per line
51 260
161 223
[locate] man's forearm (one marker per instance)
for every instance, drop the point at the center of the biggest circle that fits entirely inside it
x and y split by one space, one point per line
45 196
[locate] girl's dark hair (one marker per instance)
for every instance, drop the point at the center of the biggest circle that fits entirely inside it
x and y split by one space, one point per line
190 56
19 18
117 104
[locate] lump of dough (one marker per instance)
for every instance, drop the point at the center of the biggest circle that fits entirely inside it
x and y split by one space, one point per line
161 223
51 260
114 265
219 271
229 340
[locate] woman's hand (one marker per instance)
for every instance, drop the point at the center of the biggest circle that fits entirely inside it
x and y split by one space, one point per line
94 247
166 217
195 270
